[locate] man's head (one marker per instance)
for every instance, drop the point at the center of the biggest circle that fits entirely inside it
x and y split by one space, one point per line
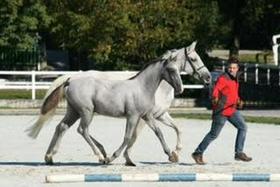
233 66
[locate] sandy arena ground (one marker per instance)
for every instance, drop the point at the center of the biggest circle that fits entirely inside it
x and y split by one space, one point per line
22 164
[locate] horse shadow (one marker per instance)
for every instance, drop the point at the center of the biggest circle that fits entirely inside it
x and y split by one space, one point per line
167 163
40 164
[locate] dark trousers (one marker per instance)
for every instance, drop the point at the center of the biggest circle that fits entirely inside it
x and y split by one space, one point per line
217 124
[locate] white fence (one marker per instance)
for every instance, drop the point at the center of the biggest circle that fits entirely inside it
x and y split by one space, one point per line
275 48
265 76
34 85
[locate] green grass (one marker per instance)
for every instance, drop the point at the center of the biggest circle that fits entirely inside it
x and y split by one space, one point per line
251 58
21 94
26 94
251 119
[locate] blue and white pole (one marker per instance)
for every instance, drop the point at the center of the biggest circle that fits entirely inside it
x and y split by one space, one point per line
164 177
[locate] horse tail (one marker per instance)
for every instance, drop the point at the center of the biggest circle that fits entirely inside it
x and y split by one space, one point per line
50 102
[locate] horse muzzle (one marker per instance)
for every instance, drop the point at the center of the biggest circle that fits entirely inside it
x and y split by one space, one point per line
207 80
178 89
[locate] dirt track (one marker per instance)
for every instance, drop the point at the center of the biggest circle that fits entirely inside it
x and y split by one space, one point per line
21 158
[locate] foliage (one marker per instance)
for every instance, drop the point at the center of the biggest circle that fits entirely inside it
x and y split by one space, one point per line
126 33
251 23
123 34
260 22
21 22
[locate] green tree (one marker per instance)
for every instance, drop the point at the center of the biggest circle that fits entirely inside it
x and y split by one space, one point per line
251 23
260 22
21 21
122 34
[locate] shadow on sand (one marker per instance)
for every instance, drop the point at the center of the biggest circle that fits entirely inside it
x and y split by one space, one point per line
55 164
166 163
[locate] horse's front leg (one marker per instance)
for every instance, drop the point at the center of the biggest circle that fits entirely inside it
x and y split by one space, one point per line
173 157
131 123
166 119
83 129
137 130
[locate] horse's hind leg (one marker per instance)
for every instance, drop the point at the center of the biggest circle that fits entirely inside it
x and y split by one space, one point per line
166 119
69 119
100 147
152 123
83 129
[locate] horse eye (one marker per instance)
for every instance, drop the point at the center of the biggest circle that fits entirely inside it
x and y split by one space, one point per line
192 59
171 70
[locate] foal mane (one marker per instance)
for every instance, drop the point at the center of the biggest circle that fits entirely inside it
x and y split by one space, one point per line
147 65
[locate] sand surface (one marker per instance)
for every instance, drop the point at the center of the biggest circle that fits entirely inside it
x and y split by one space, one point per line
22 158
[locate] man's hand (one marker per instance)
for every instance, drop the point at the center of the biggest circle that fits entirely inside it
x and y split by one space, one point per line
215 101
240 104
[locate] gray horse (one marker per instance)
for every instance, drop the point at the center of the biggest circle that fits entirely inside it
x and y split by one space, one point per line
133 98
188 62
191 65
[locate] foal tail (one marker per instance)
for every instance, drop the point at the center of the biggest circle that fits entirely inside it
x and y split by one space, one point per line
50 102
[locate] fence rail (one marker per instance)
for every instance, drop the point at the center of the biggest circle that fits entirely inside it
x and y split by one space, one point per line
257 74
34 85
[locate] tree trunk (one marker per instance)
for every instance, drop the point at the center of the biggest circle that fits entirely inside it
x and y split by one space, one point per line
236 28
235 46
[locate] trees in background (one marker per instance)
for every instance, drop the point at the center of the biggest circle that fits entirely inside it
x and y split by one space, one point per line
251 23
20 23
122 34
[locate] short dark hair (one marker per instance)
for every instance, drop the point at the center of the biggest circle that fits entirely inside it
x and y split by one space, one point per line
233 60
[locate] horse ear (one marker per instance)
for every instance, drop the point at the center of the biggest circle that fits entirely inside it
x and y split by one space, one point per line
191 47
194 44
166 55
169 59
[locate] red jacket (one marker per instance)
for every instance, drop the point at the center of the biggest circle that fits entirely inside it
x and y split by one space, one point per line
226 91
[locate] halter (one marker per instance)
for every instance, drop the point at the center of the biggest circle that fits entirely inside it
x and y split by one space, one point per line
195 71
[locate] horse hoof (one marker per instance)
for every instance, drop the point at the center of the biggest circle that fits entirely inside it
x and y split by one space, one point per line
48 160
106 160
101 161
130 164
174 157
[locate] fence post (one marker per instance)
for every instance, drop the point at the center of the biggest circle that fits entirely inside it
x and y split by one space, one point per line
275 48
245 72
268 76
39 66
279 75
33 80
256 74
224 68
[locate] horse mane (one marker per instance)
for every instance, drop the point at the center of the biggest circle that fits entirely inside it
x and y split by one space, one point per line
147 65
